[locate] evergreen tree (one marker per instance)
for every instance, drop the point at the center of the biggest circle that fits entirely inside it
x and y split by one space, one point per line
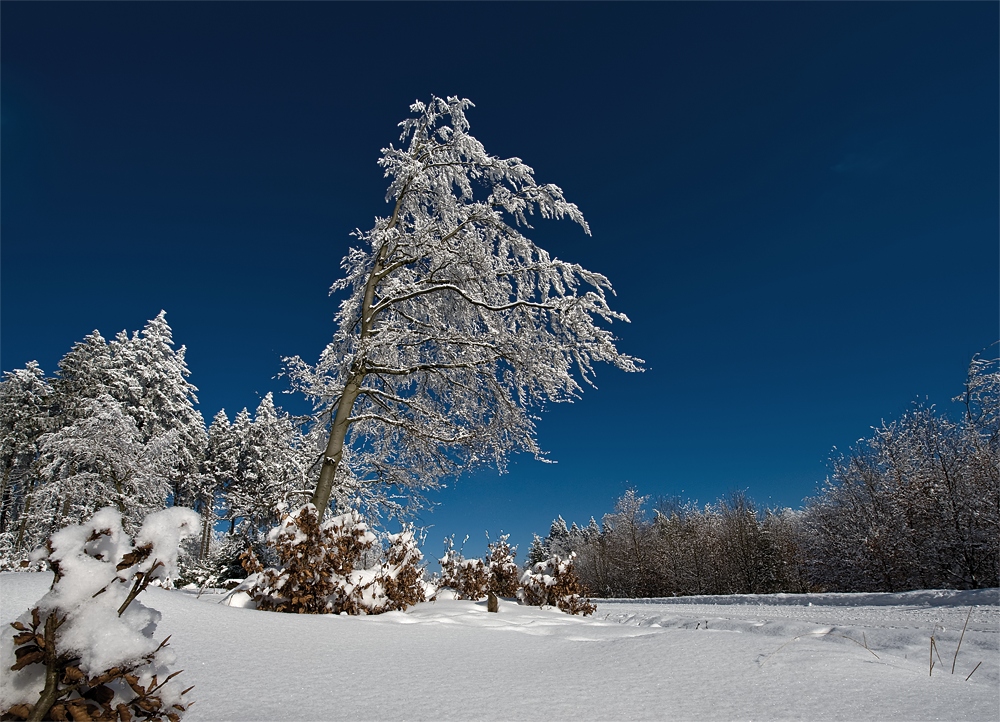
87 371
537 552
161 398
25 406
100 459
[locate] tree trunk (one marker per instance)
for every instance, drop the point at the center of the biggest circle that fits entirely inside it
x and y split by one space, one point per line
335 446
338 430
206 529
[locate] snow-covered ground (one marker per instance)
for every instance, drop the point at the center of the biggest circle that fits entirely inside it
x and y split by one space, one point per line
697 658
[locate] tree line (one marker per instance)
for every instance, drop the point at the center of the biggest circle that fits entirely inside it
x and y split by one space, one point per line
916 505
117 425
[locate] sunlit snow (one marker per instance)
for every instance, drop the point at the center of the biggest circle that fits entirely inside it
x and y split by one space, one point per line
765 657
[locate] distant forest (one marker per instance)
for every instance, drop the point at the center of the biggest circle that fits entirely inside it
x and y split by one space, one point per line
915 506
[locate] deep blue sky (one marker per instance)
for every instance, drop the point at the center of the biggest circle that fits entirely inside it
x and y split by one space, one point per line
797 204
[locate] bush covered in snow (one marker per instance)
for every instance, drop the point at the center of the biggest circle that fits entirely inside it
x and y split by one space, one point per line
554 583
401 575
470 578
504 573
86 650
320 570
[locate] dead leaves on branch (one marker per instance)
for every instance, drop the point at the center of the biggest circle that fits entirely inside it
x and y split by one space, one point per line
79 697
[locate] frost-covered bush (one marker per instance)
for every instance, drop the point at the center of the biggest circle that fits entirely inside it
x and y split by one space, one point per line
86 649
470 578
504 573
554 583
316 564
401 576
320 572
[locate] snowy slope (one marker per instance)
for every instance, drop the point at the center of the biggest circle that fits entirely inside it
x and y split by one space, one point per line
702 658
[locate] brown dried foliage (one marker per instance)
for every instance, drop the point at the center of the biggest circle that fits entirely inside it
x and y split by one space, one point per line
306 582
565 590
78 697
504 574
405 588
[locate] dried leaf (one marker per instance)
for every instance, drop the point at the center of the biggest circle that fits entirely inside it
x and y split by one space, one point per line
18 626
22 711
149 704
30 658
124 713
78 712
23 638
72 673
101 694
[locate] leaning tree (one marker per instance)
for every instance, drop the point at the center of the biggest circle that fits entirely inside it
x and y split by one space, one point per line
456 326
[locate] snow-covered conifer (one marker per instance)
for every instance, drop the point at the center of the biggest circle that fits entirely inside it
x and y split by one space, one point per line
558 541
25 407
162 399
537 552
260 463
87 371
98 459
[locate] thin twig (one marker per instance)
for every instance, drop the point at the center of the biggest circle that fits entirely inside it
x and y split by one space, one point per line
955 659
818 634
973 671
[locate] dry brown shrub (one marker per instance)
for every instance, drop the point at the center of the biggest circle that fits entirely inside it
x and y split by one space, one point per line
554 583
317 562
504 573
401 576
470 578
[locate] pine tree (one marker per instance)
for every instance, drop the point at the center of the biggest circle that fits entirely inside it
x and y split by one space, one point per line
161 398
537 552
25 414
98 459
87 371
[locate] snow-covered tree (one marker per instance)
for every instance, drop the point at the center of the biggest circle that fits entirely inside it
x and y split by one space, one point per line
322 568
87 371
401 576
558 540
25 405
100 459
537 552
554 583
456 325
265 463
161 399
503 571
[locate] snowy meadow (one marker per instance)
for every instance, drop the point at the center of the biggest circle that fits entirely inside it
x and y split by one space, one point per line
706 658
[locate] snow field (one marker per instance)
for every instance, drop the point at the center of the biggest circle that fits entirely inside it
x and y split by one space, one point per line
635 659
